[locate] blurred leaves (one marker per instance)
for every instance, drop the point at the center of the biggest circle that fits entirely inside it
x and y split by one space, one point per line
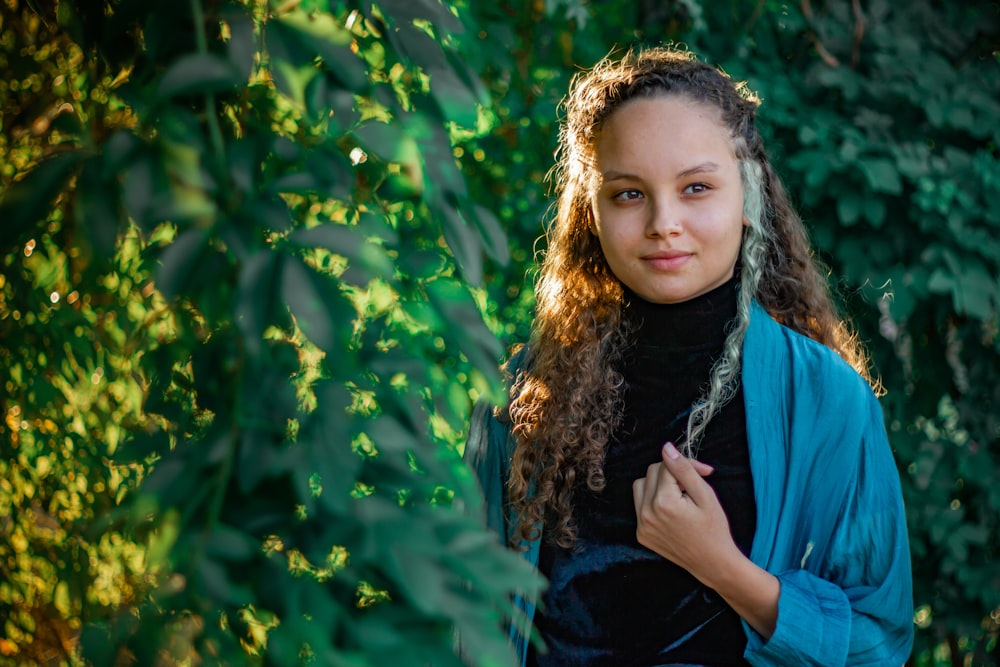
252 424
249 249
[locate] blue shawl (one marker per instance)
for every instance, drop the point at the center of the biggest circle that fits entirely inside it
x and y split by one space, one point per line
830 520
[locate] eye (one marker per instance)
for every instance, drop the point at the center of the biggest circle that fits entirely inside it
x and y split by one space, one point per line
696 188
627 195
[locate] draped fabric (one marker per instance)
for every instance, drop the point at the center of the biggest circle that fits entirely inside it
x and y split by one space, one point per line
830 521
612 602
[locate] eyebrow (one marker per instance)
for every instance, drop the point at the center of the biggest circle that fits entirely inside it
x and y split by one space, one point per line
704 167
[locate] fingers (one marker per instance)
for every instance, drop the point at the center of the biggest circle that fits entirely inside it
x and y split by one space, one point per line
659 475
687 472
638 493
702 469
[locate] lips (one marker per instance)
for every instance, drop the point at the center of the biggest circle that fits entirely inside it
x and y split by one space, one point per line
667 260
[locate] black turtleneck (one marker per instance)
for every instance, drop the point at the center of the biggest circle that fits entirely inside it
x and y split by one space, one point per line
611 601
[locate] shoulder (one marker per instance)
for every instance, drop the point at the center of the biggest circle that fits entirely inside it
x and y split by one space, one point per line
519 360
776 351
489 436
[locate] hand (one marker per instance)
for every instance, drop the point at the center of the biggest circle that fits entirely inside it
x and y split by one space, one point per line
679 516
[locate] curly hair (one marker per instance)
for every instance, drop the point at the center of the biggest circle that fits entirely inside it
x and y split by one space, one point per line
566 399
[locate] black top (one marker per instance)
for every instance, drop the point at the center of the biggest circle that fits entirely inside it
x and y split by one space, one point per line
611 601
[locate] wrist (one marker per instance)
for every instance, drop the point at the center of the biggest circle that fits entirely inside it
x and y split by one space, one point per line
750 590
730 567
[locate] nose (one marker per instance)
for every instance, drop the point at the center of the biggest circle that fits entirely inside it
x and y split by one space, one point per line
664 220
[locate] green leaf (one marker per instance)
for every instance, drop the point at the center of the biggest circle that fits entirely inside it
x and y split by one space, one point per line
325 316
390 435
270 212
882 175
466 328
337 238
97 208
316 99
849 208
437 13
144 183
213 578
978 290
119 150
179 261
875 210
421 578
960 116
231 544
454 96
390 141
347 242
198 73
169 476
296 39
297 182
492 234
292 80
321 35
903 287
161 541
940 282
241 49
258 305
258 454
463 241
326 438
28 202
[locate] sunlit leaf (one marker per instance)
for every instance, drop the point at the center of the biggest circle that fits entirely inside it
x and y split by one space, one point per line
434 11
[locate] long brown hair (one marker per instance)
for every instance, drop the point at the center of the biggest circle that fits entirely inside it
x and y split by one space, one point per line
566 399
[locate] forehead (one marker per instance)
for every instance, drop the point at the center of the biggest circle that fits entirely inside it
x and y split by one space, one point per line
665 124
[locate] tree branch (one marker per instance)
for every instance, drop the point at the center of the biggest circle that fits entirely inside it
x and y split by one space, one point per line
859 32
827 57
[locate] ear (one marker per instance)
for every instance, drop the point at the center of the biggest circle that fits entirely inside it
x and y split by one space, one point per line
746 223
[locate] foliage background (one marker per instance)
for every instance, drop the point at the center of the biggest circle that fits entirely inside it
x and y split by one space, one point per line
241 333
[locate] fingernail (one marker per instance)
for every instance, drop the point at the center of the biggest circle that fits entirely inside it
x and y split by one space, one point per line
671 451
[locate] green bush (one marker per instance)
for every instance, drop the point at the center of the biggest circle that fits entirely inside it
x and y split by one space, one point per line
249 248
238 347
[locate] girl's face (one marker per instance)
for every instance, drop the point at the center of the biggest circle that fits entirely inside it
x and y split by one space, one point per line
668 205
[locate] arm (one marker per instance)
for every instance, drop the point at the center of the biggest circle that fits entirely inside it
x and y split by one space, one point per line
487 452
486 457
846 595
830 521
680 518
844 599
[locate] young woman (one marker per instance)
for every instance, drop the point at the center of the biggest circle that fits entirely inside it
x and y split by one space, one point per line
692 453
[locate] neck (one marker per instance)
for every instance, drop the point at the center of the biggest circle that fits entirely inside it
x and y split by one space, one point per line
703 321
